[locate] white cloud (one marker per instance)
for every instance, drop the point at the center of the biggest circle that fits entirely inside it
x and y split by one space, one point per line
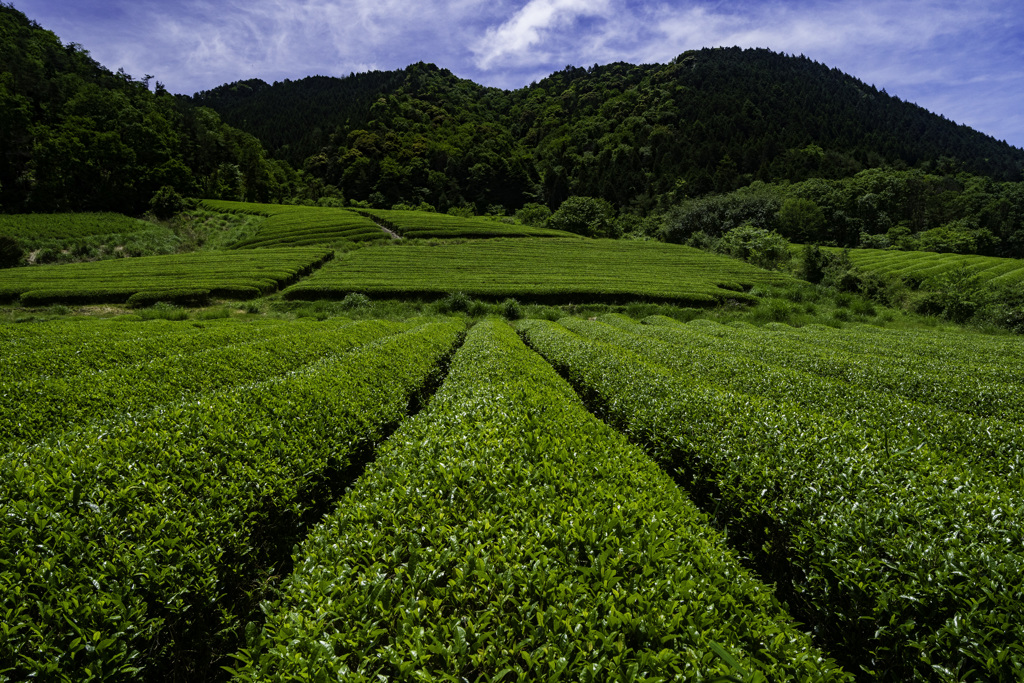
518 39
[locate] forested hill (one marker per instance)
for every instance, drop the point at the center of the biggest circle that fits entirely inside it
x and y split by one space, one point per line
76 137
639 136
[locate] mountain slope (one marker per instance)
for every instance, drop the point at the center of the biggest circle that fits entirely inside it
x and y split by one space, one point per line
76 137
639 136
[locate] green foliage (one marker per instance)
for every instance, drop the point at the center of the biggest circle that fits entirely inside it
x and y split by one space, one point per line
163 310
533 214
355 300
760 247
80 138
239 275
643 137
585 216
164 529
179 297
956 293
506 534
511 309
425 225
717 214
293 226
74 237
802 452
801 220
166 202
554 271
978 289
456 302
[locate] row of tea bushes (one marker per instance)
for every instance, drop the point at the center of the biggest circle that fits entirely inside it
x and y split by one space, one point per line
225 274
984 442
139 549
505 534
906 562
46 406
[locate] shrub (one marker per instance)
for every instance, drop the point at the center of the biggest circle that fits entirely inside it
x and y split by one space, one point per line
163 311
355 300
456 301
584 216
511 309
534 214
166 202
763 248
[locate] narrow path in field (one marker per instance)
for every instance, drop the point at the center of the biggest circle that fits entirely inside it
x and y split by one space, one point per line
394 235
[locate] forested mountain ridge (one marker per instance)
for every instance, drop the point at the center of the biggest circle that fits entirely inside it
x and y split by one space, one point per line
76 137
641 137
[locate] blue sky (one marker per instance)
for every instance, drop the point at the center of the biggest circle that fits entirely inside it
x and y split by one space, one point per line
963 60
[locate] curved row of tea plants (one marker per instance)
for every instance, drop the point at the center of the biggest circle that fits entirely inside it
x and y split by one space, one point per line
429 225
193 276
294 226
985 442
964 387
548 271
138 550
72 345
47 406
906 562
996 356
505 534
919 266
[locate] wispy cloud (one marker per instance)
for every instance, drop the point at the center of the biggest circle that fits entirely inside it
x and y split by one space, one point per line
536 31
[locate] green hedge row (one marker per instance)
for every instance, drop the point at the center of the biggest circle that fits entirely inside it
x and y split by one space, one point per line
70 346
906 562
984 442
139 550
506 535
180 297
241 274
43 406
427 225
957 385
554 271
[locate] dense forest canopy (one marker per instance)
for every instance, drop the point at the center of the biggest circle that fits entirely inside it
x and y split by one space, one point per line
76 137
641 137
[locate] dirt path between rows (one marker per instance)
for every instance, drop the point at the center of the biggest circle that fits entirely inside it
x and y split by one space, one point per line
394 235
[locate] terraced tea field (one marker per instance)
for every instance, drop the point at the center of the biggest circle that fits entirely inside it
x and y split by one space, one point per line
299 226
572 502
40 226
549 270
427 225
185 278
919 266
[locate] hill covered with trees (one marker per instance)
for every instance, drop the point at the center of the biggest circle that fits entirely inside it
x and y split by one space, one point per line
76 137
641 137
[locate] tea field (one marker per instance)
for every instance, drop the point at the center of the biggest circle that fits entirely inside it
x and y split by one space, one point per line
919 266
600 499
298 226
427 225
188 278
41 226
548 270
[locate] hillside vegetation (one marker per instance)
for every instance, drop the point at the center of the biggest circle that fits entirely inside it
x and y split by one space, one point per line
641 137
557 271
76 137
